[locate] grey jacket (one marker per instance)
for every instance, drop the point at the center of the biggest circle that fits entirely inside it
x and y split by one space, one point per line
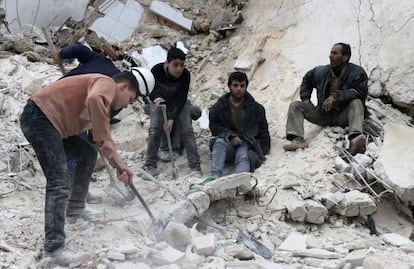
355 85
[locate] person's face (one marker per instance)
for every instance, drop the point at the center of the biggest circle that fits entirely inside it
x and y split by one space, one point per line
175 67
337 59
238 89
124 97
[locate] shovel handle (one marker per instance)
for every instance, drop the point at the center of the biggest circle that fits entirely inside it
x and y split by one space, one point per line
142 202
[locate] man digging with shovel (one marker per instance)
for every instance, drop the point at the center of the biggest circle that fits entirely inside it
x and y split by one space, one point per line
51 121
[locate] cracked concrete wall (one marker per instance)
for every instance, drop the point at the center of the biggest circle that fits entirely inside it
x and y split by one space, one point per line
380 34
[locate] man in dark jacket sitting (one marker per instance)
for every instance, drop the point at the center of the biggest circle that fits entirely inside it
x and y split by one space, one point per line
341 88
240 129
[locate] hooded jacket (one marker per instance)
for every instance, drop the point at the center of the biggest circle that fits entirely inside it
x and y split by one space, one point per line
253 124
355 85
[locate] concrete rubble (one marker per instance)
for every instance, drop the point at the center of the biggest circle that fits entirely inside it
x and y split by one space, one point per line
308 223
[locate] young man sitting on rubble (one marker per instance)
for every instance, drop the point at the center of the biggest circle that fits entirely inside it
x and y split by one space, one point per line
172 82
52 120
341 88
240 130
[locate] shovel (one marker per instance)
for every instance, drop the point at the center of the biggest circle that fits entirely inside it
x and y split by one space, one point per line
116 189
174 169
157 226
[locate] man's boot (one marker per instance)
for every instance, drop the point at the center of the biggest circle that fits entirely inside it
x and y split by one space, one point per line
357 144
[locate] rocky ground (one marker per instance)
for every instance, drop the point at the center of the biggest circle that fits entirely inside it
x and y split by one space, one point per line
295 226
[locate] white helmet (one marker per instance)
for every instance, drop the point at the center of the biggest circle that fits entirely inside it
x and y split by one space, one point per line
145 80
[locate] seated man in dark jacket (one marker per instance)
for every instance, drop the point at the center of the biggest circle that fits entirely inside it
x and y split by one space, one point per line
341 88
240 129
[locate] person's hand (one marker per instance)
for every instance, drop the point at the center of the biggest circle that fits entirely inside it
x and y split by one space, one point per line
328 103
168 125
159 101
307 101
125 175
235 141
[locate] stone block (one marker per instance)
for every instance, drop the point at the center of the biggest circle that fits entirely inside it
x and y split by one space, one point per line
356 203
296 210
315 212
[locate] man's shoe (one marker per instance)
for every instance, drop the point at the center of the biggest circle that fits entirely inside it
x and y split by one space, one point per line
114 120
297 143
93 199
357 144
63 256
150 170
86 214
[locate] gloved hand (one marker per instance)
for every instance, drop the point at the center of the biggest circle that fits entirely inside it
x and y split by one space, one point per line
159 101
328 103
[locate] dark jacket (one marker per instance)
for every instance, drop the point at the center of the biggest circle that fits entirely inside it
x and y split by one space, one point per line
355 85
173 90
253 123
89 61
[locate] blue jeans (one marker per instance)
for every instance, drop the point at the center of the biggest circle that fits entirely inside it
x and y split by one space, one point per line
156 131
51 151
224 152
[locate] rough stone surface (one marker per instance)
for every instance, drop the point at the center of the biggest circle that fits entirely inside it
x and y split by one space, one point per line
356 203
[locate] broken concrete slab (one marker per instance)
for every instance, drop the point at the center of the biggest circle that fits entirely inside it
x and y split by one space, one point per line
165 254
204 245
295 241
356 203
317 253
166 11
229 186
397 159
396 239
388 260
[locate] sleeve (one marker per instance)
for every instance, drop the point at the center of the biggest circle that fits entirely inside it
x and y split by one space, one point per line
263 136
98 104
217 127
82 53
308 84
357 89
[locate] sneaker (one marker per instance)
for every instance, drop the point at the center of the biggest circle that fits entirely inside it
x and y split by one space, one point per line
150 170
357 144
93 199
297 143
63 256
196 172
87 214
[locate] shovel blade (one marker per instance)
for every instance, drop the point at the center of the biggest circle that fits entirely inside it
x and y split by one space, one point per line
158 227
119 192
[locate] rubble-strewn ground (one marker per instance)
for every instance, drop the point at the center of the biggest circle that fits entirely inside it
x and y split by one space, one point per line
119 238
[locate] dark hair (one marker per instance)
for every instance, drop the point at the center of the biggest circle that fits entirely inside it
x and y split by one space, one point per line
175 53
129 78
346 49
239 77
